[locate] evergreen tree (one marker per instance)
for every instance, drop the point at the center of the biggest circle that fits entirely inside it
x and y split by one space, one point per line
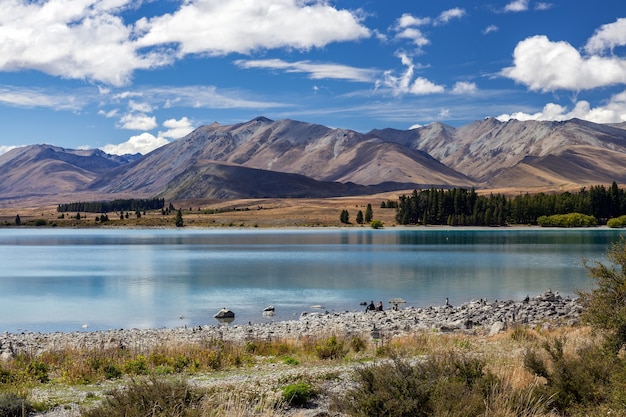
359 217
369 214
344 217
179 219
18 221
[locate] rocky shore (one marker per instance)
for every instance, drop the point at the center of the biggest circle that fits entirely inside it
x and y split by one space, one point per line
477 316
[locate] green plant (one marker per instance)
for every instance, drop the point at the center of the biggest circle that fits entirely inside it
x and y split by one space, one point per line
443 385
291 361
357 344
604 307
298 394
150 398
137 366
39 371
376 224
12 405
332 348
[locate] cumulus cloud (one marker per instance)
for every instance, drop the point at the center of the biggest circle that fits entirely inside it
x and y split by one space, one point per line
549 66
134 121
464 87
143 144
147 142
407 25
607 37
316 71
516 6
89 39
218 27
72 39
6 148
614 111
176 128
404 83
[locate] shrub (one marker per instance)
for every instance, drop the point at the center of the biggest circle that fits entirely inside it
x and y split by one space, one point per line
567 220
604 307
150 398
298 394
443 385
138 366
11 405
376 224
357 344
331 349
618 222
41 222
39 371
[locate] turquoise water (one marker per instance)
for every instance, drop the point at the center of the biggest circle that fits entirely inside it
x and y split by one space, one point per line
61 280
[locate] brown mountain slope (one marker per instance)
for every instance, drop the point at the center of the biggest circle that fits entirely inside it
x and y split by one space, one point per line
286 146
524 154
45 169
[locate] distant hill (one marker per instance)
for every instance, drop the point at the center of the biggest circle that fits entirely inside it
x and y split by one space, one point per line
266 158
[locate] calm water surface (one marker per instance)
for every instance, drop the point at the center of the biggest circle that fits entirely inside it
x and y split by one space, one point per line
60 280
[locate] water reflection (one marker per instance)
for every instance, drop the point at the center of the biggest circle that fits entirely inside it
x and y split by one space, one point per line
60 279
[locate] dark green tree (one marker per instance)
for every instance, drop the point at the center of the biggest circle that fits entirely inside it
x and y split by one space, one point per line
369 214
179 219
344 217
18 221
359 217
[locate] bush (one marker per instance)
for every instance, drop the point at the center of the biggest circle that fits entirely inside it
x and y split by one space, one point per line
39 371
298 394
376 224
604 307
617 222
331 349
11 405
150 398
444 385
567 220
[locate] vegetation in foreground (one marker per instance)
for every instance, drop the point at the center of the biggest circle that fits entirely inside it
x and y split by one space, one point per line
538 372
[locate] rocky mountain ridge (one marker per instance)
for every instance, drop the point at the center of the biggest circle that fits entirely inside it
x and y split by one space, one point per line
287 158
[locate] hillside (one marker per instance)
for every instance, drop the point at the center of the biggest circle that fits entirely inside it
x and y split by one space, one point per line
263 158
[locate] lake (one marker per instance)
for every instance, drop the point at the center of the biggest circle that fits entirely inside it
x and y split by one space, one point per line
97 279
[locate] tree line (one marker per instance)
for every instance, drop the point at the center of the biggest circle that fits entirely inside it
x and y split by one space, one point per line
463 207
113 206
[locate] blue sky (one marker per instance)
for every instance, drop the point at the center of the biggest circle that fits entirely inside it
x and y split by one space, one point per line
129 75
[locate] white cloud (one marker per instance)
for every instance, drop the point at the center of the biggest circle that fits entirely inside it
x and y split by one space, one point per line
415 126
464 87
89 39
543 6
612 112
415 35
139 107
516 6
448 15
6 148
607 37
176 128
146 142
490 29
407 20
422 86
316 71
143 144
549 66
404 84
36 97
218 27
108 114
140 121
71 39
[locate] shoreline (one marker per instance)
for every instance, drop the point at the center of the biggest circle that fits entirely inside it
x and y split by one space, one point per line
478 317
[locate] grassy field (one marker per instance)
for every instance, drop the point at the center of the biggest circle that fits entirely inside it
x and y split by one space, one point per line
232 213
491 375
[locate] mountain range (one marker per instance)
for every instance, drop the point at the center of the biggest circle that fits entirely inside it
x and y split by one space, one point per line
287 158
